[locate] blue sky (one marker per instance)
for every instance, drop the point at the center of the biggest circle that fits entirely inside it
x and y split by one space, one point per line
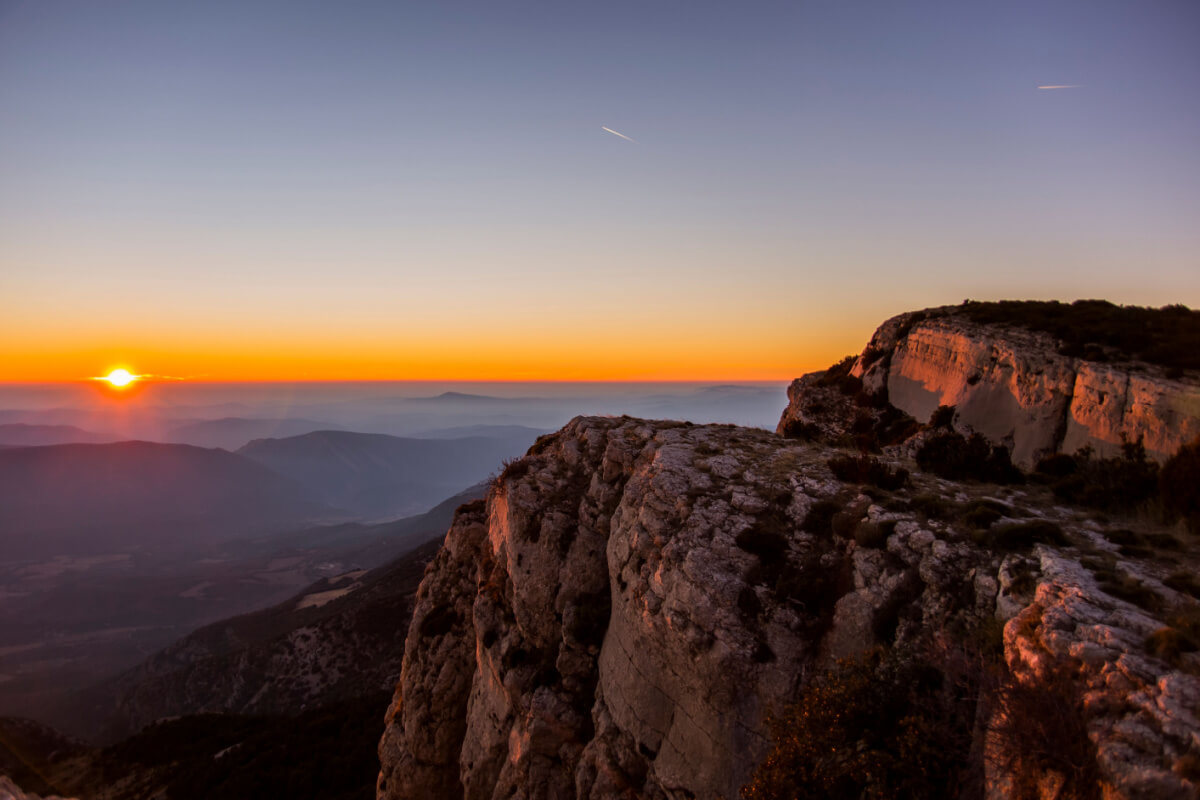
380 188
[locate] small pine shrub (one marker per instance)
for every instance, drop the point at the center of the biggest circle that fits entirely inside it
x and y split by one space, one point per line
873 534
942 417
1184 582
932 506
763 542
819 519
804 431
981 514
954 457
834 374
1179 486
881 725
1169 644
864 469
1040 728
1022 536
1120 483
1130 589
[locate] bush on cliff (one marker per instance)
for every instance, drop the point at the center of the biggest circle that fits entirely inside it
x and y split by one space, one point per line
882 725
1120 483
1099 331
1179 486
952 456
864 469
909 724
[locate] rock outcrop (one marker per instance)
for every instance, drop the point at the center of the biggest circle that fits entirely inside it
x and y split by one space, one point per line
10 791
1015 387
634 598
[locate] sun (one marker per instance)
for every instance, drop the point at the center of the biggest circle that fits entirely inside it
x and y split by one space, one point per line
120 378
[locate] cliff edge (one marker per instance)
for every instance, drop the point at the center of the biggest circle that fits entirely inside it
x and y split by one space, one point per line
634 600
1026 388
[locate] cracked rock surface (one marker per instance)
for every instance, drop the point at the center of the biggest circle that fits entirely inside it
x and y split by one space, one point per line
1014 387
634 598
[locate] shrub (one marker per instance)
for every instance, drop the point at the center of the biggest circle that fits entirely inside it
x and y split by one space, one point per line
763 542
1095 329
820 517
873 534
942 417
798 429
1120 483
864 469
954 457
1184 582
1169 644
1023 535
878 726
1058 465
981 514
1131 590
1039 727
1179 485
932 506
834 374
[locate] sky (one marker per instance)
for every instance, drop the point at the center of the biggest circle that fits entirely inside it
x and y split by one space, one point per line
271 190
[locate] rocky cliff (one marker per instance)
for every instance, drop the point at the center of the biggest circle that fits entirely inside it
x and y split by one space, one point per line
10 791
634 599
1015 386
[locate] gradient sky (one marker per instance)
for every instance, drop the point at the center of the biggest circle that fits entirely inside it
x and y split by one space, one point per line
270 190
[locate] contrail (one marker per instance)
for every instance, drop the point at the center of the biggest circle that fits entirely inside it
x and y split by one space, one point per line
615 133
1062 86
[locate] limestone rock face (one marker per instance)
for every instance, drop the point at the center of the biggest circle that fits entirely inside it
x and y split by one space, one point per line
1015 388
635 597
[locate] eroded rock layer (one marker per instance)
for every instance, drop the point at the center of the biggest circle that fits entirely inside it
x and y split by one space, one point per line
1013 386
633 599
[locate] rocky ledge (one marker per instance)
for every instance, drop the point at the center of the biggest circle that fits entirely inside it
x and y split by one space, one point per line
1016 387
633 600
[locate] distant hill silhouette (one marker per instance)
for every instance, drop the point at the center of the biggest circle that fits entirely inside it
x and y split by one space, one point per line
378 475
515 432
81 498
20 434
231 433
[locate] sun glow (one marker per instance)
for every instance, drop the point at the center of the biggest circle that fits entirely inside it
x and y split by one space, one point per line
120 378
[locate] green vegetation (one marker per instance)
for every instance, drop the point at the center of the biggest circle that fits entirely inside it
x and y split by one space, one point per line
864 469
954 457
1127 483
1100 331
1120 483
879 726
1179 486
902 723
324 753
1021 536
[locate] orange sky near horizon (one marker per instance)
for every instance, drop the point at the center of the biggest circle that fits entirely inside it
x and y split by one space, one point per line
391 191
601 356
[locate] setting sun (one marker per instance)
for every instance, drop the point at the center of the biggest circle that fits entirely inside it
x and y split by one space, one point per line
120 378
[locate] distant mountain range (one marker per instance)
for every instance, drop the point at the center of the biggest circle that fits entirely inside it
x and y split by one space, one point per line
376 475
89 498
333 641
20 434
231 433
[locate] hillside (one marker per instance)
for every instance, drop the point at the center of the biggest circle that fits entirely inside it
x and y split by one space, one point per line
378 475
230 433
328 643
20 434
92 498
